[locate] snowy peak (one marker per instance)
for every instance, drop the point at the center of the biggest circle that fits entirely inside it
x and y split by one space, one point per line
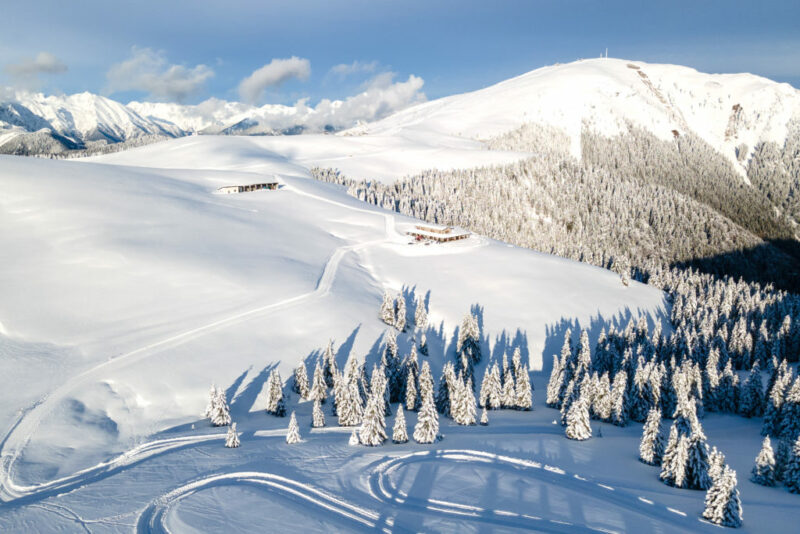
726 110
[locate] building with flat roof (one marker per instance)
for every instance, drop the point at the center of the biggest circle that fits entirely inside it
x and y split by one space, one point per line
439 234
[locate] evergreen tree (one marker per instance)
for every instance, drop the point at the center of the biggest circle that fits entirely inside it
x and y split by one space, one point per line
399 432
619 399
516 364
697 464
722 504
220 414
275 401
400 316
790 414
318 389
601 400
443 393
483 396
425 382
462 407
387 309
373 427
293 433
317 417
427 427
484 416
764 470
509 397
423 344
468 343
752 400
232 438
495 389
301 386
772 414
578 426
212 398
421 315
523 393
329 364
554 384
716 463
412 400
791 474
651 447
353 441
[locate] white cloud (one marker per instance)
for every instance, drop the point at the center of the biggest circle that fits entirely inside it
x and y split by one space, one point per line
148 70
343 70
274 73
27 72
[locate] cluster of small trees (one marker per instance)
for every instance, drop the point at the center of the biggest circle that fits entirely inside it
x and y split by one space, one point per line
394 312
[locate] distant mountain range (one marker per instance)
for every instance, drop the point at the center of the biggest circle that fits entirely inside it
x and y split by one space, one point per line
731 112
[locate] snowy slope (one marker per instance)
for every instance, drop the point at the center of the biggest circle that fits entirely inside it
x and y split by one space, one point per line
725 110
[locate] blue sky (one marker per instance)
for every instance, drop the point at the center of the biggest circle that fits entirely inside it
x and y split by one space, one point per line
195 49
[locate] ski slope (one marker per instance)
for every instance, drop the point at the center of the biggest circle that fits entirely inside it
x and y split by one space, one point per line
128 289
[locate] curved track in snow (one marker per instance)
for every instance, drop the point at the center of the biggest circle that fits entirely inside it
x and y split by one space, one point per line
153 518
23 428
382 489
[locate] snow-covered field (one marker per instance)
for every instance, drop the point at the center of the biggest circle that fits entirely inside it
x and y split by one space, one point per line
127 286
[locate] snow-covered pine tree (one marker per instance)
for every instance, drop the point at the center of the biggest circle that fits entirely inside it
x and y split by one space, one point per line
212 397
317 415
495 389
220 415
329 368
578 424
275 403
554 384
425 381
716 463
790 414
722 504
293 433
752 398
727 390
697 463
619 399
399 432
772 414
412 399
509 397
443 392
483 395
651 447
300 385
484 416
427 427
523 391
373 427
400 316
468 342
516 363
379 386
318 388
387 309
601 399
566 365
421 315
791 474
232 438
764 469
353 441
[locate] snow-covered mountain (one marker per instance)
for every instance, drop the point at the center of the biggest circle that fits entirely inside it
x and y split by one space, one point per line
725 110
56 123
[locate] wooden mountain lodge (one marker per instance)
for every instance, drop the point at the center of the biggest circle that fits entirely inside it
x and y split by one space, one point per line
437 234
228 189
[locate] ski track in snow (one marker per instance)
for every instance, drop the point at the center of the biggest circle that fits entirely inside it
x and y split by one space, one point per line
21 431
381 489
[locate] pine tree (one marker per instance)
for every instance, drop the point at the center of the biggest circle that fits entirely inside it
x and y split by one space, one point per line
420 315
790 414
293 433
524 394
232 438
220 415
462 406
423 344
509 397
554 384
722 503
697 463
443 393
752 400
399 432
318 417
651 447
764 470
212 398
318 388
387 309
791 474
468 343
601 400
400 316
427 427
275 401
516 364
425 382
300 385
483 396
484 416
772 414
619 399
578 425
329 364
373 427
716 463
495 389
412 400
